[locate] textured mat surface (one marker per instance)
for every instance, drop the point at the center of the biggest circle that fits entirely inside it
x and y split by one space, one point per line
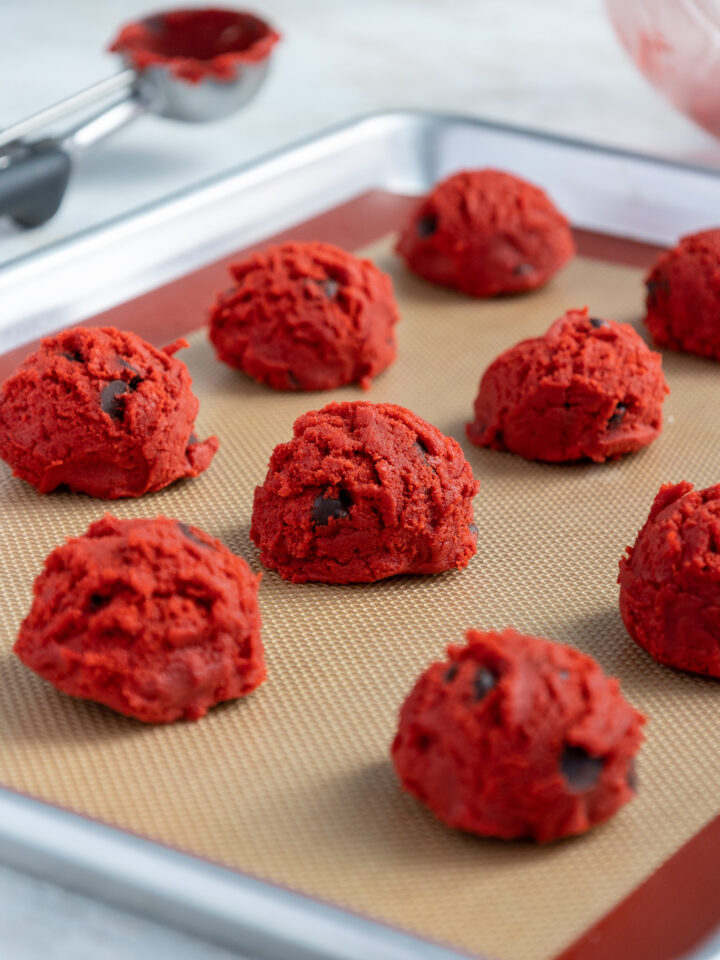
294 784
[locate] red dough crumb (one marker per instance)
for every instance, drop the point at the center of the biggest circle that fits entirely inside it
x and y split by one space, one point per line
513 736
485 232
197 44
670 580
153 618
365 491
683 299
588 388
306 316
102 412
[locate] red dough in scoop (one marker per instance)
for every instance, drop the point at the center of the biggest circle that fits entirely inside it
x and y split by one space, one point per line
153 618
306 316
670 580
485 232
683 300
102 412
513 736
196 44
588 388
365 491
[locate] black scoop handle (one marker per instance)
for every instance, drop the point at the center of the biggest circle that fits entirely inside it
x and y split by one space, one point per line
33 178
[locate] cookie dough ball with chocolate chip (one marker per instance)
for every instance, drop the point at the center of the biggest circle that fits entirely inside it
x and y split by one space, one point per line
154 618
587 389
102 412
683 296
484 233
670 580
513 736
306 316
365 491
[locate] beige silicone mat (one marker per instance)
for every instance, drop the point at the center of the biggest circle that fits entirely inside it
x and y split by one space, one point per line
294 784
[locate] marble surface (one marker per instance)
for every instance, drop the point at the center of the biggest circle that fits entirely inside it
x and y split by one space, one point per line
39 921
553 65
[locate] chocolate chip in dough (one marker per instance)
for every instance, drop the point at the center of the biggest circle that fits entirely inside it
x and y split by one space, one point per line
483 683
580 769
327 508
109 399
426 226
617 418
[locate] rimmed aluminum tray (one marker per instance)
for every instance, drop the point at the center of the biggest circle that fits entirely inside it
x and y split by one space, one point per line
617 198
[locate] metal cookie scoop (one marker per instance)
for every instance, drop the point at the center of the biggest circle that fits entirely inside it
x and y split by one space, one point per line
189 65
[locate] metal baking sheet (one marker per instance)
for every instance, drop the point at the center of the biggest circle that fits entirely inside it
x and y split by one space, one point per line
602 191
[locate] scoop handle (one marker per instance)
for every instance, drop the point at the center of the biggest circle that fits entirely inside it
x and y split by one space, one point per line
33 178
120 82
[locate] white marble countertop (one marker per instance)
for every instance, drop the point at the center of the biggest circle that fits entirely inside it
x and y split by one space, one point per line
554 65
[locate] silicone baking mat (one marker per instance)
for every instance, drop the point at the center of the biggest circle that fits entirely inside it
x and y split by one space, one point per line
294 784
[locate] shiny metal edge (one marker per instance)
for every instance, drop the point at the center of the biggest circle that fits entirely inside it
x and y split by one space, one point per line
211 902
607 190
708 950
611 191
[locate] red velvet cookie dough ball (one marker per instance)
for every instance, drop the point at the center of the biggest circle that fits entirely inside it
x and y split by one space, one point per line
513 736
153 618
588 388
102 412
683 296
306 316
364 491
485 232
670 580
